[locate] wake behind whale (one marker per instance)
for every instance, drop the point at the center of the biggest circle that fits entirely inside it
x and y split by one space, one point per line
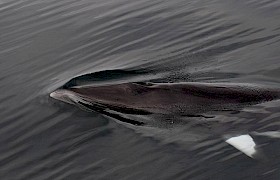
188 99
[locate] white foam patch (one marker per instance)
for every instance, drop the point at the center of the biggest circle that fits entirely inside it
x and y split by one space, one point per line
243 143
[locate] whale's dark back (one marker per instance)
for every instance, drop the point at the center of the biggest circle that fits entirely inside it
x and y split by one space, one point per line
183 98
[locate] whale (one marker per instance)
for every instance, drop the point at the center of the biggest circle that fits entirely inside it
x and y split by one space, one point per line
167 98
188 99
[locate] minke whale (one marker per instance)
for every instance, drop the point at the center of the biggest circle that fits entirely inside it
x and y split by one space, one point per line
166 98
184 99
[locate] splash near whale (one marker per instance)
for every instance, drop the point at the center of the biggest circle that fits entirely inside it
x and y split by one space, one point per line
189 99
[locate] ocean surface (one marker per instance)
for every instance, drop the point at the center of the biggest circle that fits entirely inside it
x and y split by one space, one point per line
46 43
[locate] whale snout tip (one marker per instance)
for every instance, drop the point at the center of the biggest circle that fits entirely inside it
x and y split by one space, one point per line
52 94
56 94
63 95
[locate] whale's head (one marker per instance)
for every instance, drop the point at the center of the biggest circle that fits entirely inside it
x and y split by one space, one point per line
64 95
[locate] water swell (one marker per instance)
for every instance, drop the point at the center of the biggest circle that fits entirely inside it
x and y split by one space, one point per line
44 44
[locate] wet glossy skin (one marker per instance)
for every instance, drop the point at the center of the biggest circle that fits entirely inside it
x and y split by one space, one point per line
184 98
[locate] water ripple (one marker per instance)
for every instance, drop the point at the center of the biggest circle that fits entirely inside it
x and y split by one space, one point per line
46 43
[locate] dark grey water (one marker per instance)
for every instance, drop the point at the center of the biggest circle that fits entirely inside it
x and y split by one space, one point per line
45 43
